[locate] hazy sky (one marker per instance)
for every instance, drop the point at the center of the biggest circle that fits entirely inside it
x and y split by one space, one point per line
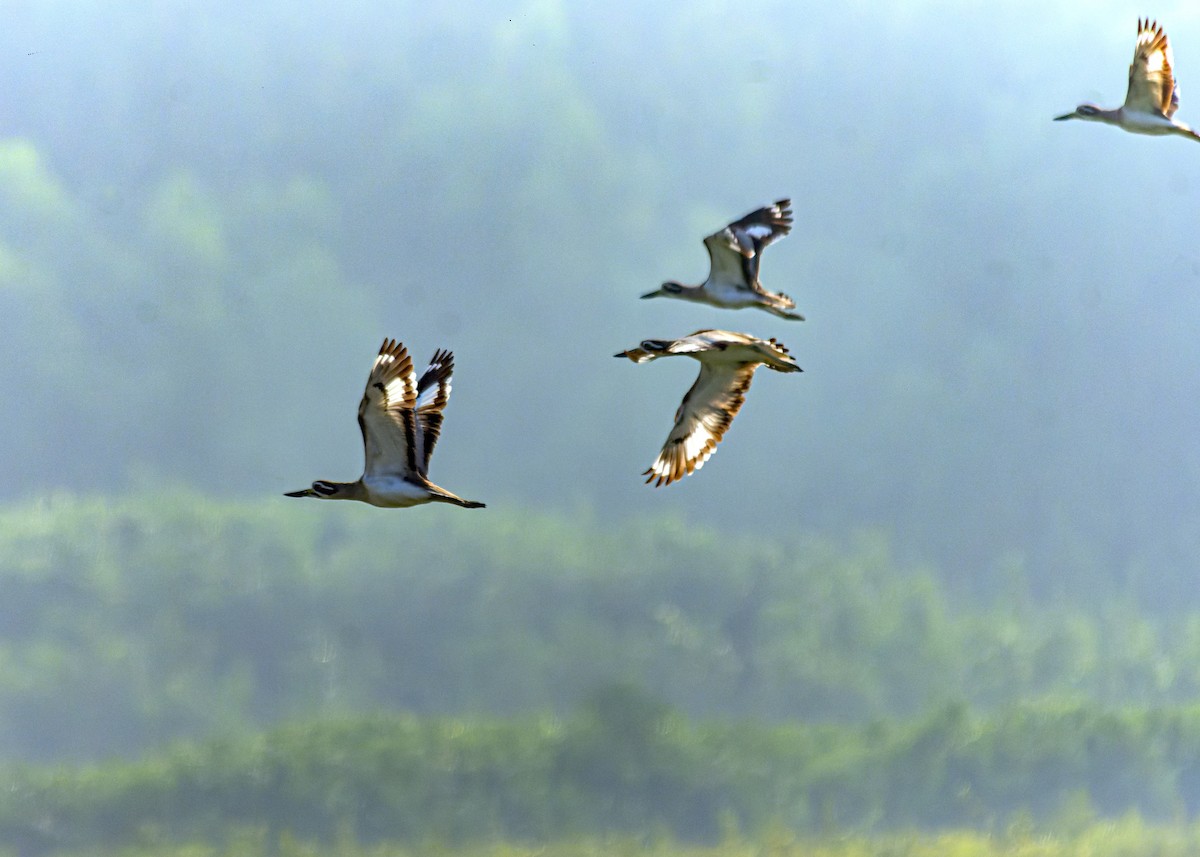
1000 353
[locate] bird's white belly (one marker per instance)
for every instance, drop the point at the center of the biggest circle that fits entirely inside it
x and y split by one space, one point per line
1147 123
392 492
730 295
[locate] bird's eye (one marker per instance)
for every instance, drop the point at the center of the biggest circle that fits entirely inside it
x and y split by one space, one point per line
652 345
673 288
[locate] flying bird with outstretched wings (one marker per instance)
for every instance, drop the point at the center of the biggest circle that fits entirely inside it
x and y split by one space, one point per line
400 418
1153 94
735 255
727 364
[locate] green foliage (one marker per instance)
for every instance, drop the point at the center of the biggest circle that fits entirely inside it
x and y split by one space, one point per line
132 621
624 764
1129 837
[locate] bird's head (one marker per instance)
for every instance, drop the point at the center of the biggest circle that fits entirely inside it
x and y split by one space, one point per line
669 289
649 349
321 490
1083 111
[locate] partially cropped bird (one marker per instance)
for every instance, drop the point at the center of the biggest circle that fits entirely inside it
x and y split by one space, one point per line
734 255
727 364
401 419
1153 94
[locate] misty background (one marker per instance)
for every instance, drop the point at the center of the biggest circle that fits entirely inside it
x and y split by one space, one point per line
212 214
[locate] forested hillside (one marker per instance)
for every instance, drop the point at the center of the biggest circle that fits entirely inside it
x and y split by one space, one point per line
130 621
1129 837
625 764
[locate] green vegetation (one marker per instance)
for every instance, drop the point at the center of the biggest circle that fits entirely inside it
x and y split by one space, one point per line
1126 838
133 621
560 679
624 764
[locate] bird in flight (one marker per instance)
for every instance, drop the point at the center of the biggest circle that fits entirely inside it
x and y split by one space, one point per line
727 364
1153 94
400 418
734 255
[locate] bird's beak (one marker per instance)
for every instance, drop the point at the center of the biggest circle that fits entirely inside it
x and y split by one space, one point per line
307 492
653 294
624 353
1070 115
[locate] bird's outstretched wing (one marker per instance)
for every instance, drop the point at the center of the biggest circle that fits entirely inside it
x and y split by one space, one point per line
701 340
433 392
701 421
735 252
770 352
1152 87
386 414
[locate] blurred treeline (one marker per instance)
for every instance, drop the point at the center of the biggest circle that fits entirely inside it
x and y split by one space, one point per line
132 621
1129 837
623 764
